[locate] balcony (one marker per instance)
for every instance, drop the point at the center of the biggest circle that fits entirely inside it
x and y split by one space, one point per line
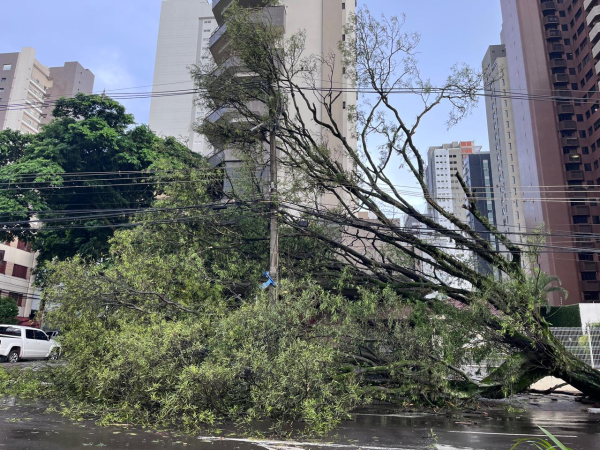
234 67
575 175
583 229
588 266
593 15
560 78
572 158
219 41
595 33
558 63
555 48
587 4
590 286
548 6
550 21
567 125
578 192
232 115
570 142
272 16
220 6
596 50
565 109
553 35
581 211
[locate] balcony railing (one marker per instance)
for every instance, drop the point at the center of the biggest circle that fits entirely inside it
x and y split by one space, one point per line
550 21
558 63
552 35
575 175
593 15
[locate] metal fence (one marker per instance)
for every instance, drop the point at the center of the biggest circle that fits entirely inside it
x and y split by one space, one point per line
583 343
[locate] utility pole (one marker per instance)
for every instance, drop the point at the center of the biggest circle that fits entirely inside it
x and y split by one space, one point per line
274 225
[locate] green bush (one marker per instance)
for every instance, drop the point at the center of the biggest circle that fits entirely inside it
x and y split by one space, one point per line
563 316
8 311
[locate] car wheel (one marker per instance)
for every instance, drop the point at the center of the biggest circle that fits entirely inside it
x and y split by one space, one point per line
54 355
13 356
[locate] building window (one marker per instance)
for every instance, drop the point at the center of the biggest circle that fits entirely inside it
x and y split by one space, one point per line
3 80
19 271
17 297
7 67
589 276
343 6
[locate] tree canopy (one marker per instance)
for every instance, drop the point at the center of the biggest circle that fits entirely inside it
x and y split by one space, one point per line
90 160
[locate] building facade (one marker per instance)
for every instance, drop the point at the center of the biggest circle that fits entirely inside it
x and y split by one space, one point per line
322 22
28 90
478 176
503 145
183 40
551 49
443 163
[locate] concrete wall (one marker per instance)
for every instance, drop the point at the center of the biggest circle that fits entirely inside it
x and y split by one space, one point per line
185 27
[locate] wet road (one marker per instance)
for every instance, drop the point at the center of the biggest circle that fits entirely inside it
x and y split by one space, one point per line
25 426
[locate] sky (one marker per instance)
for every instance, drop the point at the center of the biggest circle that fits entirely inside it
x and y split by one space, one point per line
116 40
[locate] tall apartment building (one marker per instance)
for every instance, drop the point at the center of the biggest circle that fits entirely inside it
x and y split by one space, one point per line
503 144
478 175
323 22
551 49
443 162
183 40
27 91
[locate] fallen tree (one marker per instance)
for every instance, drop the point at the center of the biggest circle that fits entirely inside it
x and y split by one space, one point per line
354 167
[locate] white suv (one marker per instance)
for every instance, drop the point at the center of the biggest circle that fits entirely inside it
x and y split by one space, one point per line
17 342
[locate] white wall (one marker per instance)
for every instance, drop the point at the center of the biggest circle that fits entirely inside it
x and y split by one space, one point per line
182 41
590 314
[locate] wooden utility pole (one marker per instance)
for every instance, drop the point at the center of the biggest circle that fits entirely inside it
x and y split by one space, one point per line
274 225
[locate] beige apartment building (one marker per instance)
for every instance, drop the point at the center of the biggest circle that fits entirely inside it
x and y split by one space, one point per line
323 23
28 90
506 171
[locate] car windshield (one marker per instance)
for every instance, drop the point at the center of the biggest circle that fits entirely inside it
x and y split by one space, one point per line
10 331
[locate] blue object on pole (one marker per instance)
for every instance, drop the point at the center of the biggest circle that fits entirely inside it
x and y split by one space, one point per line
269 282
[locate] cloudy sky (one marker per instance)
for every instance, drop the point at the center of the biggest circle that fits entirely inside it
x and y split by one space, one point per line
116 39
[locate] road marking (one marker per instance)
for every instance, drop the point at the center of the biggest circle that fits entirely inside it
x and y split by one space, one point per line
509 434
290 444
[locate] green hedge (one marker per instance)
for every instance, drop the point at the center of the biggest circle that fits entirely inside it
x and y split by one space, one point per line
563 316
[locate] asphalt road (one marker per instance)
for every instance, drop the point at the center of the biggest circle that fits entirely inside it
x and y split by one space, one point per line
26 426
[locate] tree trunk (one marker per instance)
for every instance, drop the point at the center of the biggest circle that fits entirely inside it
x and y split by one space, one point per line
540 358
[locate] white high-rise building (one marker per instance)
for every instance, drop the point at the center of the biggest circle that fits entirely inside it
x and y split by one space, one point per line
503 144
443 164
183 40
